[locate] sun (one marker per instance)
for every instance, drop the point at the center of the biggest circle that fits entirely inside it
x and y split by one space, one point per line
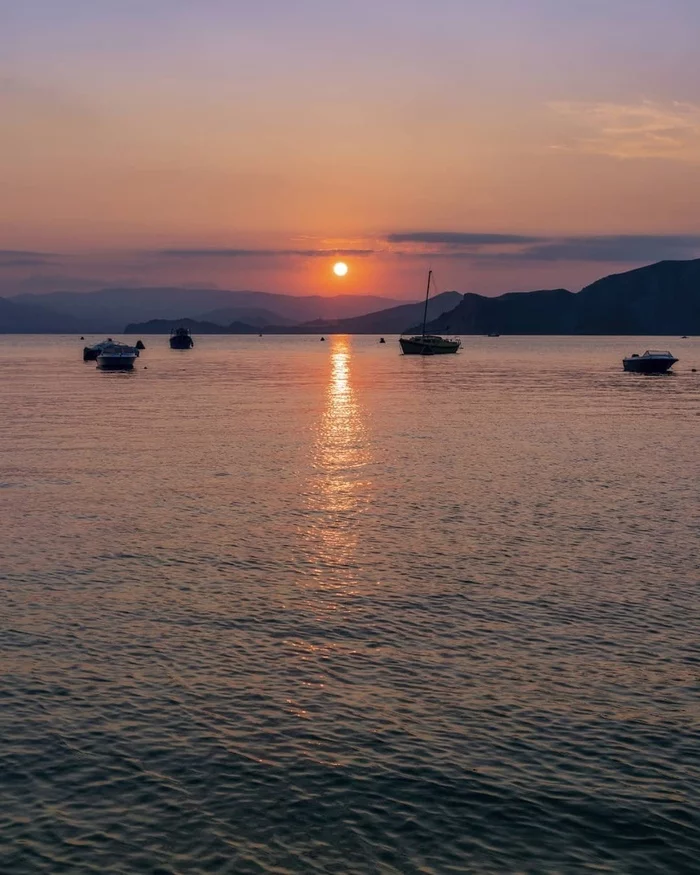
340 268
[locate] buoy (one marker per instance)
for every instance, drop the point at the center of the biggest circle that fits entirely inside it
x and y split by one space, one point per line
381 340
140 344
323 338
694 370
81 337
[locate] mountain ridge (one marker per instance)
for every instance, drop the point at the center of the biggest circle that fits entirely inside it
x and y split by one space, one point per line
657 299
110 308
391 320
661 298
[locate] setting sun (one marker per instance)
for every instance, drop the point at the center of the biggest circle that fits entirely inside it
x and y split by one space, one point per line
340 268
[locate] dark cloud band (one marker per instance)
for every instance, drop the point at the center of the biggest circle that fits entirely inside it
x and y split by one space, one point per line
458 238
508 248
263 253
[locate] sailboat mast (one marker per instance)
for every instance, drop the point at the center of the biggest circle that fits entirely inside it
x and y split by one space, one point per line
425 309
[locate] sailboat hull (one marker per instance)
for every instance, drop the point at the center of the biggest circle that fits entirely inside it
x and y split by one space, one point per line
428 345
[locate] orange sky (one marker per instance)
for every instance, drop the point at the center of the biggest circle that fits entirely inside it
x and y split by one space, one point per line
283 131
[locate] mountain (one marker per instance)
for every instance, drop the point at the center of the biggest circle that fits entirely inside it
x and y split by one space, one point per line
390 321
18 318
393 320
109 309
548 311
256 316
165 326
662 298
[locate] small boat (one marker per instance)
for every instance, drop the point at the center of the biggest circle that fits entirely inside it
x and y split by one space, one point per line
653 361
116 357
90 353
493 334
428 344
180 338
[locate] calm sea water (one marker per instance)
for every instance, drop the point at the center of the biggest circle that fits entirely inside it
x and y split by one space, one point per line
281 606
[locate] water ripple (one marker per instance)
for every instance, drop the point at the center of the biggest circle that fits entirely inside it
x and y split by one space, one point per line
280 608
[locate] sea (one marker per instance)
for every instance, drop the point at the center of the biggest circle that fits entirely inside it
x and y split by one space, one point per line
284 605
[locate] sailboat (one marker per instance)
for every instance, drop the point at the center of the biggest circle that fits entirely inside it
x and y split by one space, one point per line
428 344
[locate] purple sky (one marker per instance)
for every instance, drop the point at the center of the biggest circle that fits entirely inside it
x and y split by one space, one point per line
512 145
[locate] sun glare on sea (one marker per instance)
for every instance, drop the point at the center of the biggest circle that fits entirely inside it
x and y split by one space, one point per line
340 268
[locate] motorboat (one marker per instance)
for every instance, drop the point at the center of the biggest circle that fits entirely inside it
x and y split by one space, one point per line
117 357
91 353
653 361
180 338
428 344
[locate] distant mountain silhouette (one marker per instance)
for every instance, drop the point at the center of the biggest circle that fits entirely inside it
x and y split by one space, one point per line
109 309
662 298
256 316
393 320
21 318
165 326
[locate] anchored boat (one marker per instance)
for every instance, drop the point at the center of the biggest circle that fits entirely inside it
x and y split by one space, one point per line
428 344
654 361
92 353
180 338
116 357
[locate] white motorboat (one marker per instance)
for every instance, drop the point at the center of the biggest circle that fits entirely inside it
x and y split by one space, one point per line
116 357
654 361
90 353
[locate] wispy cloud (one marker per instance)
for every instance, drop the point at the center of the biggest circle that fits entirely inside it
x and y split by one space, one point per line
648 129
459 238
263 253
10 258
622 248
508 248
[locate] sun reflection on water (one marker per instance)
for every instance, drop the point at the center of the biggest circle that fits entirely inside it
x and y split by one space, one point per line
340 489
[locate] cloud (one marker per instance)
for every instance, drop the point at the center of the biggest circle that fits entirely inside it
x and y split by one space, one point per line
632 248
22 258
262 253
459 238
508 248
648 129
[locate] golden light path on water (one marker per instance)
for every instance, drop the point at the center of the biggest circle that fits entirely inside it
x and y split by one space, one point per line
340 490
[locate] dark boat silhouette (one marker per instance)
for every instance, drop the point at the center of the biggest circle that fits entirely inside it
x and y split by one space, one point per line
428 344
116 357
652 362
180 338
90 353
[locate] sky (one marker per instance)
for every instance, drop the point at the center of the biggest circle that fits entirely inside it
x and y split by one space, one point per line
509 144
